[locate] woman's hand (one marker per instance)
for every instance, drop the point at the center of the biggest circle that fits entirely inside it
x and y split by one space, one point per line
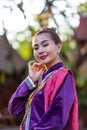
35 70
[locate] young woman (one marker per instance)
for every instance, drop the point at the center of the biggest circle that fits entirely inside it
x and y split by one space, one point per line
47 97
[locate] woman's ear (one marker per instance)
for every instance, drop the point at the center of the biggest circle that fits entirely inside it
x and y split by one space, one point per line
59 47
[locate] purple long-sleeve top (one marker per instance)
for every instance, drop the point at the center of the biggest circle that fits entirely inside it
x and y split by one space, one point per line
58 114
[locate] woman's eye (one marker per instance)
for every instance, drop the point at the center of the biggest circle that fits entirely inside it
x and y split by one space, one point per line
35 48
45 45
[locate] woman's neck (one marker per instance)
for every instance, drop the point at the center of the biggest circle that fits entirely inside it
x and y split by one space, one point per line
52 64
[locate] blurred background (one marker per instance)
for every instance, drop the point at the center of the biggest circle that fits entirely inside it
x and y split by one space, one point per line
19 20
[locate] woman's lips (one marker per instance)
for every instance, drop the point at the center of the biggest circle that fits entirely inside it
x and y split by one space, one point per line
43 57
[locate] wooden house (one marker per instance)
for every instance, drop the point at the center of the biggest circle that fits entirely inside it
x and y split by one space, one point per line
12 70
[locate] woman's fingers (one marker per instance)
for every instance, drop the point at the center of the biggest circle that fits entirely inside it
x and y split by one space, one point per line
35 70
35 65
31 63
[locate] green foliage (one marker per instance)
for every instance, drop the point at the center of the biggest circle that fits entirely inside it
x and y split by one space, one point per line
25 49
24 40
82 94
82 98
2 78
81 82
69 45
67 50
82 8
37 17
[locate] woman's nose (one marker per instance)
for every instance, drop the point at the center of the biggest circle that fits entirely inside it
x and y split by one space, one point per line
40 49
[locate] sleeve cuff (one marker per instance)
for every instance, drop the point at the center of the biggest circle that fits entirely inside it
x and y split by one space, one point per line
30 83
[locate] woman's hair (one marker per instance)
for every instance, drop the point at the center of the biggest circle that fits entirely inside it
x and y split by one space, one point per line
51 31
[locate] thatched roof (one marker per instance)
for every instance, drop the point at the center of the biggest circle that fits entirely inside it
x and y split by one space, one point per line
81 31
10 60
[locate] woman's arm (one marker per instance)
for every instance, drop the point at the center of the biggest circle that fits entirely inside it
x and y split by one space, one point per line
57 115
19 98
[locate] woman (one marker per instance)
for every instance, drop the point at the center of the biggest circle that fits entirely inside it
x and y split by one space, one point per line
48 95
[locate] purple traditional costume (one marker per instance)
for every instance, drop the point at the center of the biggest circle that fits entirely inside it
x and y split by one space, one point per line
54 107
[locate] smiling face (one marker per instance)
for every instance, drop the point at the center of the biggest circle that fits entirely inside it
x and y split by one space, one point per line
45 49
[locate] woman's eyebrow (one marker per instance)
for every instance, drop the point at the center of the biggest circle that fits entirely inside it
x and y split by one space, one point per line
42 42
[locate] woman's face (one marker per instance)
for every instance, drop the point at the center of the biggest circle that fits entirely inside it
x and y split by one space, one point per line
45 50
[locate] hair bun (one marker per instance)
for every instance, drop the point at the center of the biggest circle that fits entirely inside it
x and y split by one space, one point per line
50 29
53 29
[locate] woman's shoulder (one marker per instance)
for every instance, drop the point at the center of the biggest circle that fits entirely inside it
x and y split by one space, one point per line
62 74
63 71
